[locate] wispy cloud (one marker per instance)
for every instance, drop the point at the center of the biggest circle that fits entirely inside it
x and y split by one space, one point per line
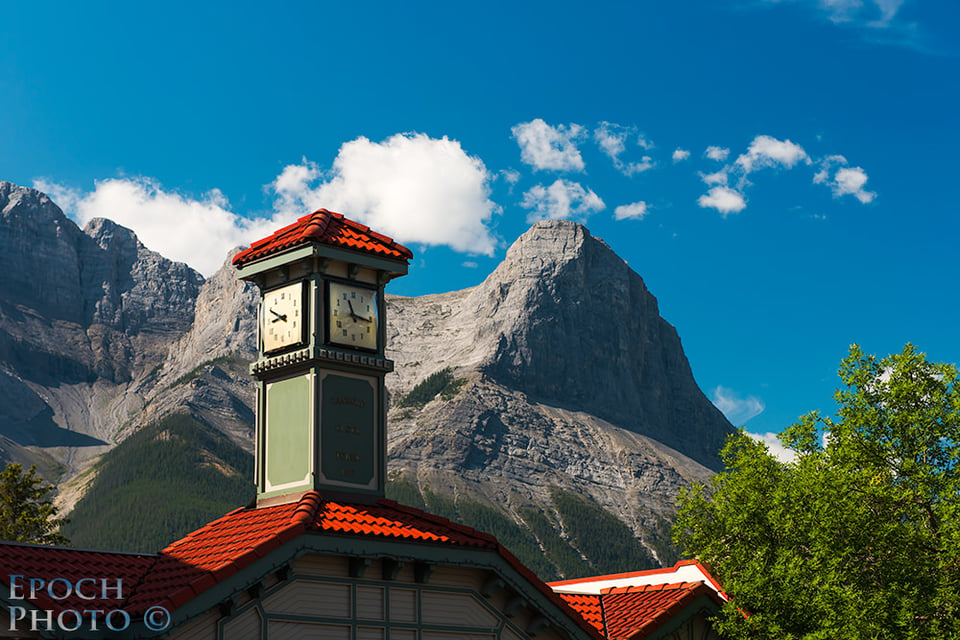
679 155
736 408
718 177
878 21
613 139
547 147
562 200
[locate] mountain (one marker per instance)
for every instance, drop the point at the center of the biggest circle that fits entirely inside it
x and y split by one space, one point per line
554 377
550 405
99 336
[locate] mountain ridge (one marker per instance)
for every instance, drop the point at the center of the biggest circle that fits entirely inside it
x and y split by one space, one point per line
559 377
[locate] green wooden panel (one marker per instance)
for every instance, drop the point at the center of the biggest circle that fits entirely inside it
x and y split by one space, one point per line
288 430
348 440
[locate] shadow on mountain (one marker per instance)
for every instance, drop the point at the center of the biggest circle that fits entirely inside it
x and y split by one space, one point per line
42 431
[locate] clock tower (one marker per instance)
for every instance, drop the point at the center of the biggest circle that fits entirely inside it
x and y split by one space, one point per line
321 399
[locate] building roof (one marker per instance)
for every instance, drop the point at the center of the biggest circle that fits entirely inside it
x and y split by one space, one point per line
324 227
682 571
633 613
632 606
213 553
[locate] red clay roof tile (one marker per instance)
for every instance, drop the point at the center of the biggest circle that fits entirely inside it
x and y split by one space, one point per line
588 606
324 227
635 612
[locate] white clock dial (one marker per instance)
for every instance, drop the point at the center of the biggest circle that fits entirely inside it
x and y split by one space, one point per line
352 316
282 317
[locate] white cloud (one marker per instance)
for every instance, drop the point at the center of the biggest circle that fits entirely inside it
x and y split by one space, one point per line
635 211
767 152
717 153
612 139
412 187
776 448
719 177
723 199
845 181
199 232
738 410
850 181
546 147
511 176
562 200
679 155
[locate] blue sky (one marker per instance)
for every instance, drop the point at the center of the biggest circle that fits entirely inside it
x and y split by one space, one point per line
779 172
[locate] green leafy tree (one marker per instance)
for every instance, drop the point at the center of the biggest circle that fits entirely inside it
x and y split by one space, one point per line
859 535
27 513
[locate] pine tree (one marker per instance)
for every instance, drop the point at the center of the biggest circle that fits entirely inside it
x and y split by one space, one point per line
27 513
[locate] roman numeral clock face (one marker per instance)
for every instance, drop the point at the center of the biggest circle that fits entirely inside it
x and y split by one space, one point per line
282 318
353 318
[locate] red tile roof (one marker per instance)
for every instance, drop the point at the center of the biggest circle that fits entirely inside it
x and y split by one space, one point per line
588 606
324 227
635 612
227 545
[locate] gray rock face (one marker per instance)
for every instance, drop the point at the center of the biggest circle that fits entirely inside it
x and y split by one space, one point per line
564 320
86 318
573 381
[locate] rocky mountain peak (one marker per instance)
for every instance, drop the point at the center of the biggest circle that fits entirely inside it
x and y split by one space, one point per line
18 202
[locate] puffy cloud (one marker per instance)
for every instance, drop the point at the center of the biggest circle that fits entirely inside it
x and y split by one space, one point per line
546 147
412 187
635 211
776 448
767 151
562 200
612 139
679 155
717 153
850 181
845 181
723 199
737 409
198 232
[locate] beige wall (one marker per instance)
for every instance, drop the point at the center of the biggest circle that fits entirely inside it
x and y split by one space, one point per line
319 600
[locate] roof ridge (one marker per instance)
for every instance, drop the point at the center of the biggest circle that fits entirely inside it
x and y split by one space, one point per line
307 507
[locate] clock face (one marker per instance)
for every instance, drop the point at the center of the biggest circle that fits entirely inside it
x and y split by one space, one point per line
282 318
352 319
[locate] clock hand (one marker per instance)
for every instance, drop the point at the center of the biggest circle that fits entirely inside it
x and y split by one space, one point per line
354 315
279 316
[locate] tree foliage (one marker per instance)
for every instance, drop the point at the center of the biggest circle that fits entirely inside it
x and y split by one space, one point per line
859 535
27 513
